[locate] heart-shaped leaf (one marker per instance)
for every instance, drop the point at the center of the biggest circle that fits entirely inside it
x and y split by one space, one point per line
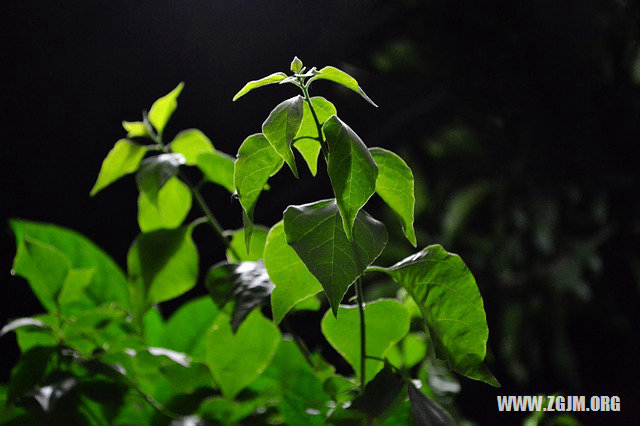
281 127
236 360
316 234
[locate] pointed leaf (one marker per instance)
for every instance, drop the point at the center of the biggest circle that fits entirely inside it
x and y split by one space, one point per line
315 233
246 284
395 186
163 263
135 129
338 76
217 167
21 322
184 330
296 65
387 321
257 161
451 305
276 77
307 137
170 210
256 247
156 171
293 281
191 143
281 127
427 412
124 158
162 109
73 287
236 360
351 168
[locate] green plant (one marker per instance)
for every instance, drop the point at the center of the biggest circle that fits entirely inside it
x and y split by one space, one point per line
103 353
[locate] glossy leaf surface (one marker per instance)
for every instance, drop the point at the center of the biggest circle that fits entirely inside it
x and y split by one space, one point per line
281 127
276 77
155 172
124 158
351 168
315 232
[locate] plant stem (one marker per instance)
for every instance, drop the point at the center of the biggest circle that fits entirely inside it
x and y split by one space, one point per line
323 143
363 334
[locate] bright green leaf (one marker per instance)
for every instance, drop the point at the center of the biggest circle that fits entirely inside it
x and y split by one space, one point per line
135 129
315 232
236 360
395 186
409 352
184 330
124 158
163 264
351 168
293 281
452 307
307 138
191 143
296 65
74 285
387 321
254 84
217 167
338 76
155 172
256 162
281 127
162 109
170 210
256 247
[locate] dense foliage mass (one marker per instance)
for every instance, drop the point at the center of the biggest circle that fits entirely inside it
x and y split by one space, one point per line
103 354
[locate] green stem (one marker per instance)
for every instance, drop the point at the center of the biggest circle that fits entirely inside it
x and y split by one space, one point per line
363 334
323 143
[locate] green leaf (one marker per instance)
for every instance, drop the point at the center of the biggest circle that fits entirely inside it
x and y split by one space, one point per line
293 281
135 129
338 76
255 248
387 321
163 264
155 172
236 360
381 394
108 283
184 330
296 65
351 168
425 411
247 284
276 77
172 207
315 232
191 143
74 285
307 138
217 167
409 352
124 158
163 108
256 162
452 308
281 127
395 186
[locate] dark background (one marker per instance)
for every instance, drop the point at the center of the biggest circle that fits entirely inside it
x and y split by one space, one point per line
520 119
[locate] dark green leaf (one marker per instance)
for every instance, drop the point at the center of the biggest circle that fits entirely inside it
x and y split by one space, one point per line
296 65
155 172
293 281
256 247
395 186
124 158
351 168
254 84
315 232
162 109
246 284
387 321
163 264
307 138
451 304
170 209
191 143
257 161
29 371
281 127
338 76
425 411
236 360
381 394
217 167
108 283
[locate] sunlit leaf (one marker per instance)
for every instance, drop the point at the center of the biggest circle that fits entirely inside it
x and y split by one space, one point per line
254 84
185 329
296 65
191 143
256 247
162 109
387 321
73 287
281 127
315 232
135 129
171 208
124 158
307 138
338 76
351 168
217 168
